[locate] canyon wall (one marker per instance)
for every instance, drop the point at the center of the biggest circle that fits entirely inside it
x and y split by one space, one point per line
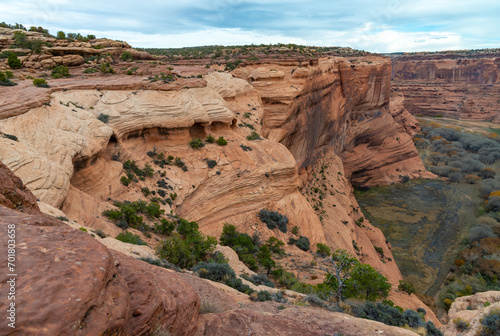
455 85
324 124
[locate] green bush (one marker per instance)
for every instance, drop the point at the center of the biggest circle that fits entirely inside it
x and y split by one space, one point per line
490 324
406 287
214 271
5 80
394 317
61 35
130 238
127 56
211 163
221 141
106 68
164 227
187 251
263 296
103 118
323 250
90 70
366 283
274 219
196 144
210 139
9 74
60 71
275 245
254 136
303 243
13 61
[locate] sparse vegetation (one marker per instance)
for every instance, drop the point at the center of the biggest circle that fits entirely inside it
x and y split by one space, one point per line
274 219
130 238
60 71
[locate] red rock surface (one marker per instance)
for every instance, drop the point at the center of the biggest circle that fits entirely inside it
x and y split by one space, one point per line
67 283
460 86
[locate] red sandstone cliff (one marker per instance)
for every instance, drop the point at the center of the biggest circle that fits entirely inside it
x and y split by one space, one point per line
460 86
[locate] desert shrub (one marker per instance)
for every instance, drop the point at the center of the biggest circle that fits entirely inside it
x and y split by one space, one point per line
295 230
106 68
274 219
61 35
214 271
100 233
275 245
265 259
211 163
490 324
60 71
493 204
406 287
196 144
221 141
455 177
323 250
236 240
487 173
187 228
209 307
40 82
263 296
472 179
461 325
479 232
126 56
103 118
260 279
13 61
390 315
239 285
130 238
5 79
487 187
303 243
90 70
164 227
366 283
187 252
210 139
254 136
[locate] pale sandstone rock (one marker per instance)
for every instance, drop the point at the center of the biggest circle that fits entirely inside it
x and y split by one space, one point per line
471 309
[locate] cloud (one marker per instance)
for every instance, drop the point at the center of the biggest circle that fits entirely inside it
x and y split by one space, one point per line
379 26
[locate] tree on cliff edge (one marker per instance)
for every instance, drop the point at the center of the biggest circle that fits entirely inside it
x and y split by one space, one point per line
339 271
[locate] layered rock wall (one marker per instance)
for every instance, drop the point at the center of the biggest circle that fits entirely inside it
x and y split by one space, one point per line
450 85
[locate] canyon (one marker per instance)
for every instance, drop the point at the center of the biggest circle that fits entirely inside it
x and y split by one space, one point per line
300 134
459 85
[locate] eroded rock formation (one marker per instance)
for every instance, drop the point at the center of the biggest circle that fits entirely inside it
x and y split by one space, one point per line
329 118
455 85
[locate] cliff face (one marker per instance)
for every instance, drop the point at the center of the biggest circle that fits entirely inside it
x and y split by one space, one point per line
339 105
452 85
325 123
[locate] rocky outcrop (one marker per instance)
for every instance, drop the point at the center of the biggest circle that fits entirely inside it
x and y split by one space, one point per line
340 104
67 283
455 85
314 115
471 309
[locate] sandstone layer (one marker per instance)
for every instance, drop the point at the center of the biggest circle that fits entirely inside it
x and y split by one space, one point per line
471 309
459 86
67 283
329 118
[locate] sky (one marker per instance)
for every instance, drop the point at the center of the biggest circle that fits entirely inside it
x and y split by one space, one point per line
381 26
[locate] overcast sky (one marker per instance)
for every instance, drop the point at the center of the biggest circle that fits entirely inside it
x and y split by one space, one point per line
372 25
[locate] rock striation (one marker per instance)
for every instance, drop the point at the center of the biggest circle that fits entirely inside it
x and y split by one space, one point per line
70 284
329 117
456 85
